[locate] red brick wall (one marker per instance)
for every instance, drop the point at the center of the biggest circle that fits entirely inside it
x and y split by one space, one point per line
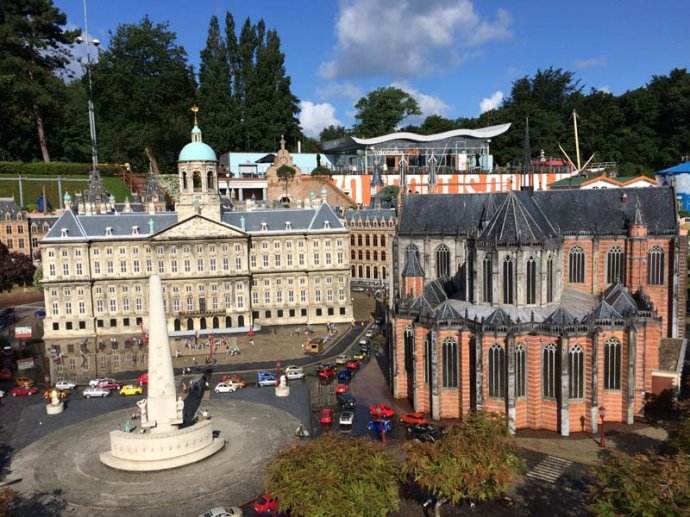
412 286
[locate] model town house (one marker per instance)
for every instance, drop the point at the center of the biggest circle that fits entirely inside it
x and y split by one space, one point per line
222 271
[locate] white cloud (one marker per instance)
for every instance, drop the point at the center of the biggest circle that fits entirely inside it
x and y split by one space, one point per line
428 104
313 117
491 103
346 90
605 88
408 37
589 62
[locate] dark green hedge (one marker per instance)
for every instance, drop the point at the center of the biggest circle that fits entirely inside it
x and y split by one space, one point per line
54 169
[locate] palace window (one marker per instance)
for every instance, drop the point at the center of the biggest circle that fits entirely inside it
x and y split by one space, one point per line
576 265
497 371
531 281
614 265
450 363
487 280
520 370
508 280
612 364
576 373
549 279
655 265
442 261
409 349
550 371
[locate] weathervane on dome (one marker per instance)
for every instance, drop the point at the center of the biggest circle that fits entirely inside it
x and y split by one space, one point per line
194 109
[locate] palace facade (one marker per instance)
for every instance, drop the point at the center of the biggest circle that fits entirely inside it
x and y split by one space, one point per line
542 306
223 271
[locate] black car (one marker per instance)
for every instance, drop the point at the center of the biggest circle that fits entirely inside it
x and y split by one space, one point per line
424 432
346 401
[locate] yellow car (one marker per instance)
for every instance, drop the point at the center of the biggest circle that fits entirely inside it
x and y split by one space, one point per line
131 389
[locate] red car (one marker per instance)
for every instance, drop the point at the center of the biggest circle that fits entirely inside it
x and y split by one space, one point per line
341 388
381 411
326 417
414 418
352 365
235 379
326 373
112 386
266 504
19 391
143 379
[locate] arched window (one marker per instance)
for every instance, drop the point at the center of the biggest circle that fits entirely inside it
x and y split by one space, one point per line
353 271
576 265
450 363
228 322
184 180
508 279
655 265
361 255
487 280
353 255
383 272
366 237
368 255
612 364
531 281
442 261
614 265
549 279
240 321
360 272
190 324
549 367
359 240
497 366
376 240
216 323
383 240
376 272
176 325
352 240
383 255
409 348
376 255
202 323
209 180
196 181
576 373
427 358
368 270
520 370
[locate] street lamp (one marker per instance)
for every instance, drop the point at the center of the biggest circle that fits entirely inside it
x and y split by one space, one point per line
92 119
602 439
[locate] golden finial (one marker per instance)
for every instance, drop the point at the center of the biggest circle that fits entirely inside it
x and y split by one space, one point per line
195 109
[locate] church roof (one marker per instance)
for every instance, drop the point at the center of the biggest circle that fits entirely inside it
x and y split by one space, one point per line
412 266
498 318
421 305
435 293
621 300
604 311
446 312
560 317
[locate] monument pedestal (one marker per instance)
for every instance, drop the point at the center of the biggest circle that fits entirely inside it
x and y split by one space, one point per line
282 391
55 409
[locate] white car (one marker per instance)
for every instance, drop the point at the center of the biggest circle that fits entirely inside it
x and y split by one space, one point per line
95 391
363 342
65 385
346 418
220 511
226 387
342 359
98 382
369 333
294 372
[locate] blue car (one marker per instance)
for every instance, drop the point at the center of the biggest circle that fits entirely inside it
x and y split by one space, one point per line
266 379
345 375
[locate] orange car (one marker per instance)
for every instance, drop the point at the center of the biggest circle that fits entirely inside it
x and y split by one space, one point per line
414 418
235 379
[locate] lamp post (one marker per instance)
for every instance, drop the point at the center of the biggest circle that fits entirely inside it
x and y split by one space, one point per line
86 40
602 435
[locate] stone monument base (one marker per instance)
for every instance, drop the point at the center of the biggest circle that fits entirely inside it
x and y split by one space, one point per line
55 409
282 391
150 451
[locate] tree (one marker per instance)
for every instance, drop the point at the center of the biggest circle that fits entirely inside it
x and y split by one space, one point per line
143 91
285 173
381 110
34 47
436 124
475 461
389 196
332 133
334 475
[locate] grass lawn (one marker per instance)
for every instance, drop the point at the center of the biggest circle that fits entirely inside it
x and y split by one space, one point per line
32 189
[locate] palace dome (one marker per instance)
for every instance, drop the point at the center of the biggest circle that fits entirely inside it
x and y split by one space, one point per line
197 150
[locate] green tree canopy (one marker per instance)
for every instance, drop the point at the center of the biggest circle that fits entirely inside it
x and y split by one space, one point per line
332 133
382 110
143 91
334 475
389 196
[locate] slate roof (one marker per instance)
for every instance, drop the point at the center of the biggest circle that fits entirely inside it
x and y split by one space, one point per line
498 318
621 300
435 293
365 214
568 212
412 266
560 317
301 219
446 312
421 305
82 227
604 311
8 206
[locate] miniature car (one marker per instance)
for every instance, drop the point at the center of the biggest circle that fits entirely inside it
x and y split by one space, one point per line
294 372
20 391
346 418
352 365
98 382
341 388
342 359
95 391
359 356
266 379
227 387
65 385
424 432
24 381
326 372
345 375
346 400
234 379
381 411
130 389
143 379
414 418
110 385
221 511
363 342
369 334
266 504
61 394
364 347
326 416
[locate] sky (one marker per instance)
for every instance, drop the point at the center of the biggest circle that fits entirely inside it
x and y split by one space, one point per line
456 57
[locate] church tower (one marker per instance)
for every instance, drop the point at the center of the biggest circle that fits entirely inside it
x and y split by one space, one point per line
197 170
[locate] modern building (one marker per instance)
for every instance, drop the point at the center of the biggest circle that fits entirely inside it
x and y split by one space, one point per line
677 177
542 306
602 182
223 271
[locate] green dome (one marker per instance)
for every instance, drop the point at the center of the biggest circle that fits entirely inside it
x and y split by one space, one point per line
197 151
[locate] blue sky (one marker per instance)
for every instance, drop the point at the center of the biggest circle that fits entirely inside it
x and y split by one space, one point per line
456 56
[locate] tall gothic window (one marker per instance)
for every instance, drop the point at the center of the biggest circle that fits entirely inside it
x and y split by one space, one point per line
450 363
576 265
531 281
508 280
549 279
442 261
520 370
576 373
409 348
614 265
497 360
655 265
550 371
427 358
487 280
612 364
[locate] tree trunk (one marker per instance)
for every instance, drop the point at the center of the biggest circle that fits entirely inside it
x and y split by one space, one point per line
41 135
152 159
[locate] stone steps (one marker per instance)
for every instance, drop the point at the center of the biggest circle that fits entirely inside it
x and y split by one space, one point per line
549 469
